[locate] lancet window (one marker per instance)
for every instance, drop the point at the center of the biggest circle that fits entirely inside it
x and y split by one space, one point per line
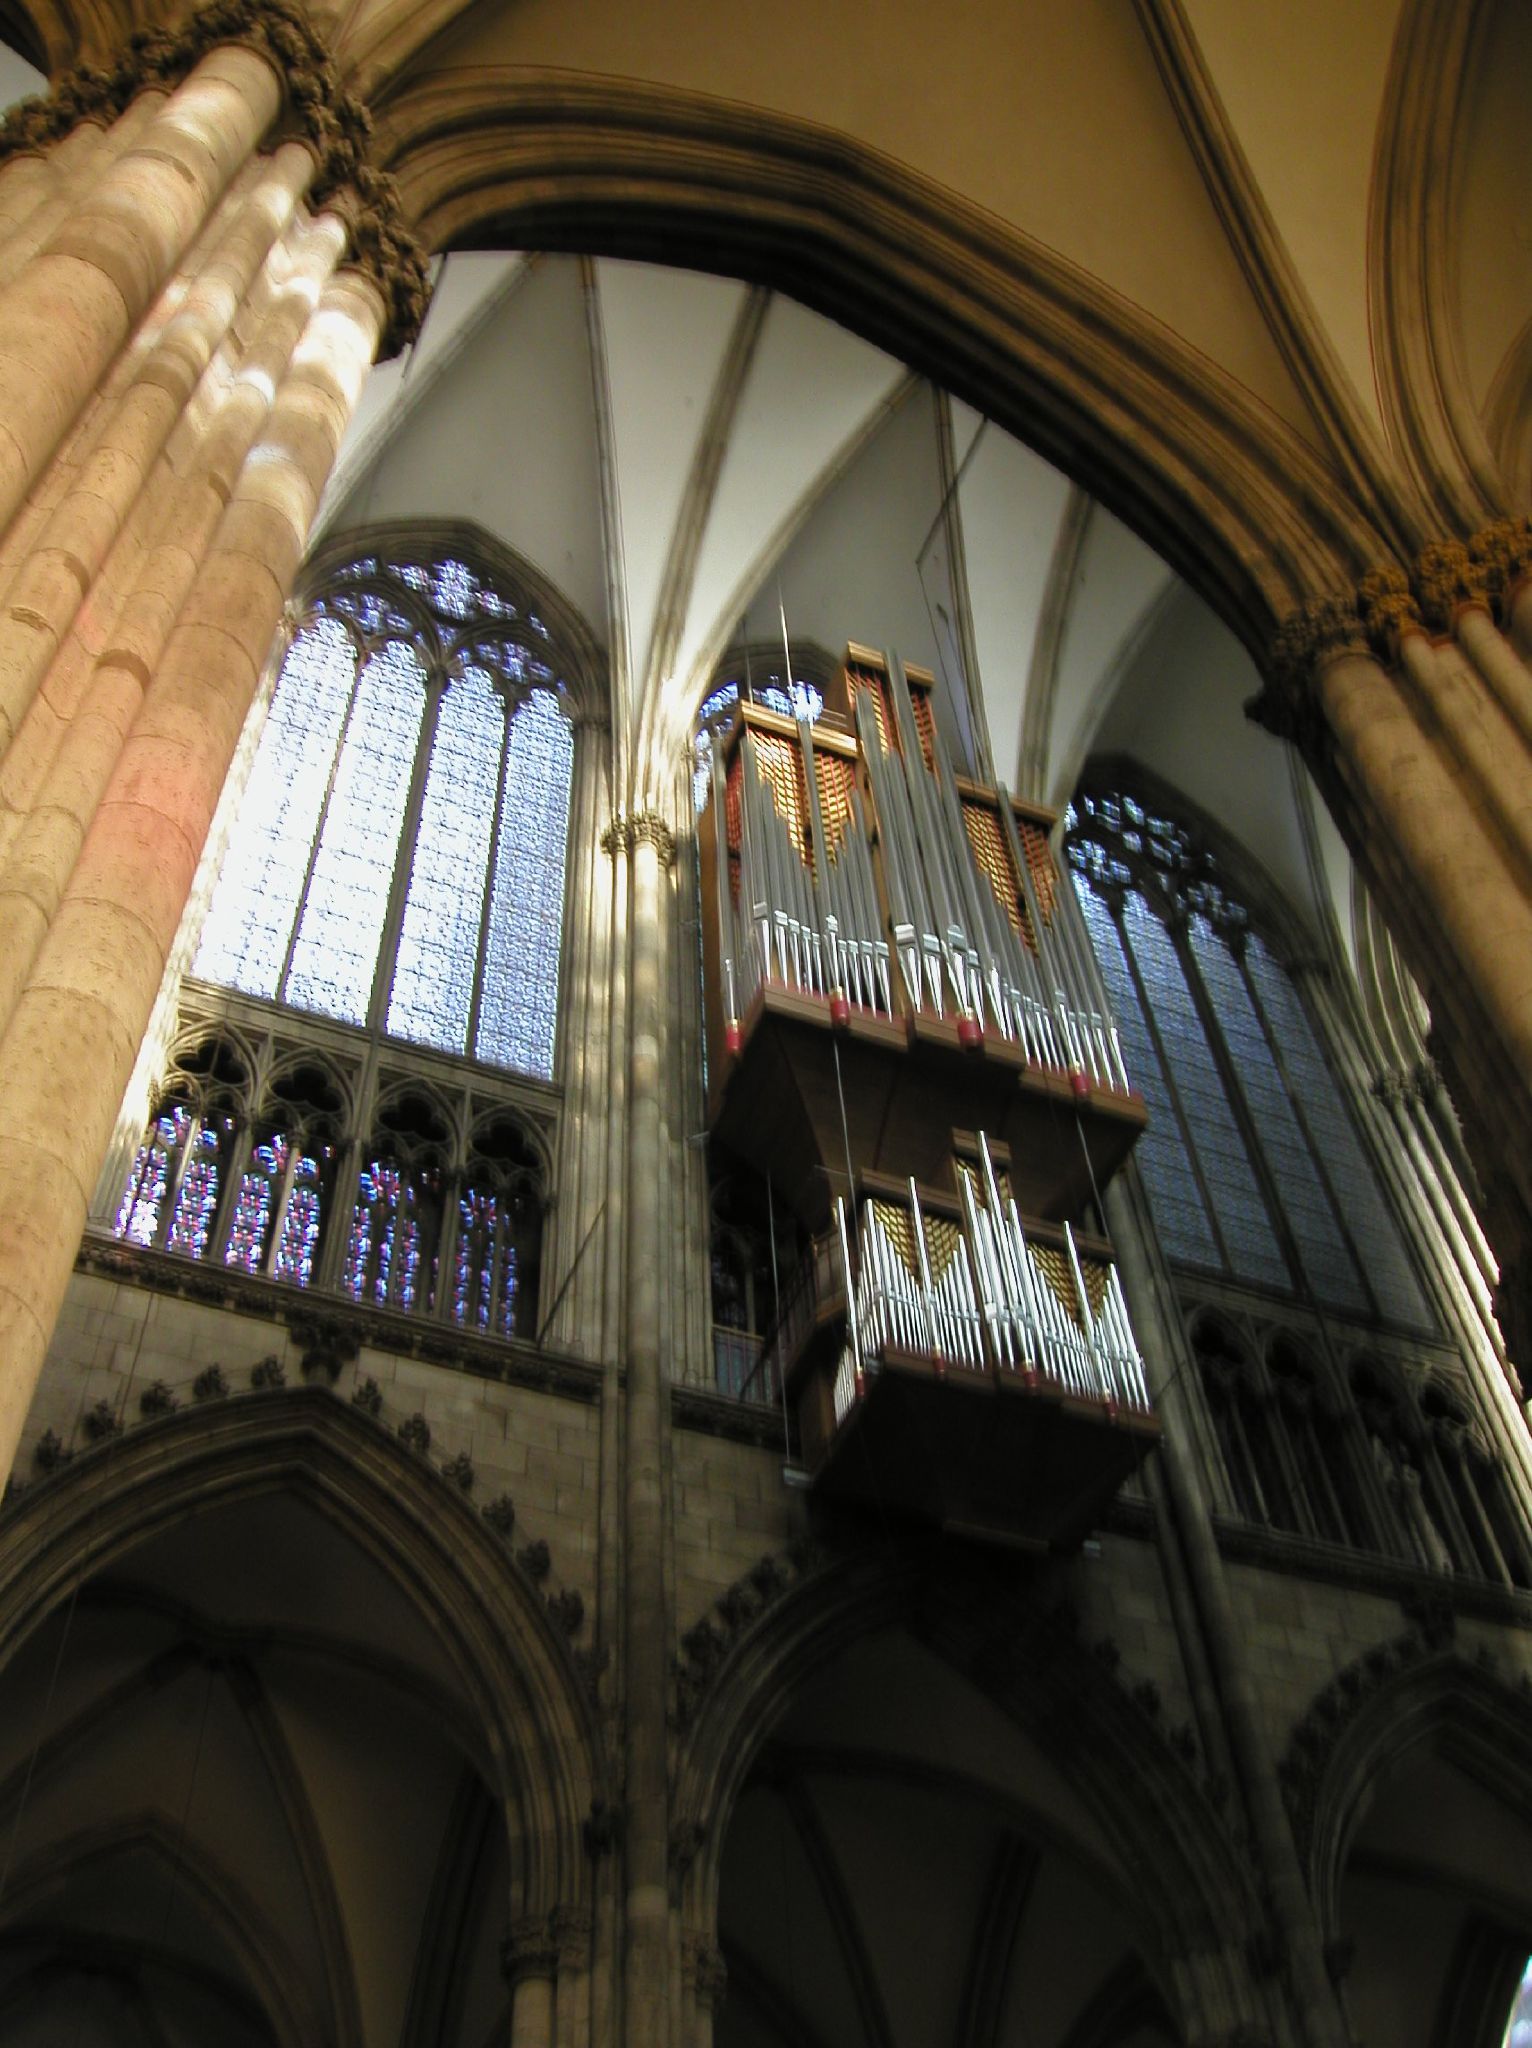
261 1160
364 1100
398 859
1255 1168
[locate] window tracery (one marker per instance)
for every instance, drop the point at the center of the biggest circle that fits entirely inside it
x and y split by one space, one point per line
398 862
376 982
1253 1163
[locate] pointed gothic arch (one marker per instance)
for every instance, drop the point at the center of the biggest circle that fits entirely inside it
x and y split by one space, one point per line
488 1619
1188 1894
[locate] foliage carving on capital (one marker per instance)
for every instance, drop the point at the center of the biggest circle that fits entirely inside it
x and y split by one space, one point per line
629 829
1325 630
1448 579
1504 553
572 1930
1387 608
530 1948
332 120
706 1971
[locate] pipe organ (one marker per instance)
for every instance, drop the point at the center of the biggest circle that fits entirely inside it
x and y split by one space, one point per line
909 1038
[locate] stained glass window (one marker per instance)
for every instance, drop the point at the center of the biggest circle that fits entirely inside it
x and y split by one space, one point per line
279 1197
342 919
439 944
197 1197
485 1285
798 699
138 1216
518 1009
398 860
1253 1164
172 1191
389 1252
244 941
397 865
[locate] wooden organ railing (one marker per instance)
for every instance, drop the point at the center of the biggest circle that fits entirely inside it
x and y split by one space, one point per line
892 957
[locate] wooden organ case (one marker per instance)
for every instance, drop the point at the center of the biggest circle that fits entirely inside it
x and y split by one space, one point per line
908 1036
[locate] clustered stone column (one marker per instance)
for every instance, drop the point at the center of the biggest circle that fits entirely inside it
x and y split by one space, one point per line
646 840
185 325
1411 699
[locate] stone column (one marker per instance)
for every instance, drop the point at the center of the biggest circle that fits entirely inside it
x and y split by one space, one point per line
71 1043
42 853
1172 1372
1428 780
73 167
45 593
646 1614
529 1960
68 311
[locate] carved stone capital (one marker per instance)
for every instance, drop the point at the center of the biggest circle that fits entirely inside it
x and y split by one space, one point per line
707 1973
529 1948
572 1929
1324 630
1387 608
629 829
1447 581
321 111
384 247
1504 552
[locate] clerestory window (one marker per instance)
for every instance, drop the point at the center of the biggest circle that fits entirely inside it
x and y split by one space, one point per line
359 1101
398 861
1255 1169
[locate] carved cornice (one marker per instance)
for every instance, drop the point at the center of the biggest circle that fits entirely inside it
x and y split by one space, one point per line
630 829
708 1642
332 120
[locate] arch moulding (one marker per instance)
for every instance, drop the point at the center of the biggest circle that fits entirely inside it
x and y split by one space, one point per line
418 1529
1181 1885
1244 508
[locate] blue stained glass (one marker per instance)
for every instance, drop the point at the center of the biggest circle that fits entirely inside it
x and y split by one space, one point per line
1172 1187
244 940
371 612
1243 1218
801 701
439 941
342 922
455 589
1371 1223
138 1213
518 1009
1322 1247
246 1247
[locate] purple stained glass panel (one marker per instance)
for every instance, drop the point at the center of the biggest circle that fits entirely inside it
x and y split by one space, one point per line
197 1196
